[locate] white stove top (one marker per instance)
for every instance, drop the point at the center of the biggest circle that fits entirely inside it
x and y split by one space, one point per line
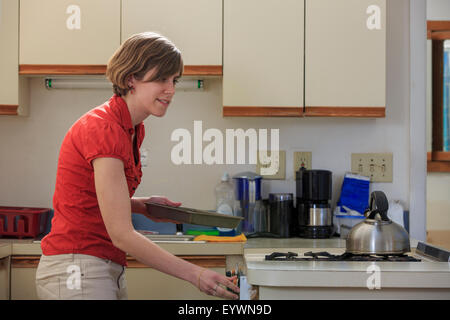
426 273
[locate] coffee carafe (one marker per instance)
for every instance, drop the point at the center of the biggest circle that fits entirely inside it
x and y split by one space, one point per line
248 203
315 218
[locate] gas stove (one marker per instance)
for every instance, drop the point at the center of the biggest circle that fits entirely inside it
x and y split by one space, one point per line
328 272
326 256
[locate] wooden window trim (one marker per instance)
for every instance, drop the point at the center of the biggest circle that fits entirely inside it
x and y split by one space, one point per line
437 160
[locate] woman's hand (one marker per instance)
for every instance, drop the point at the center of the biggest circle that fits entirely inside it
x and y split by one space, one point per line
163 200
138 206
215 284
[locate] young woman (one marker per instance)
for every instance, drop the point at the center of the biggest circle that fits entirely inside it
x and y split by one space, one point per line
99 169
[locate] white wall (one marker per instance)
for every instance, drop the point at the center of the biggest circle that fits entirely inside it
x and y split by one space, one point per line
438 9
417 109
30 145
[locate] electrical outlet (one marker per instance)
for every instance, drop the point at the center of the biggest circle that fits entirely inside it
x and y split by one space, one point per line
271 164
302 159
377 166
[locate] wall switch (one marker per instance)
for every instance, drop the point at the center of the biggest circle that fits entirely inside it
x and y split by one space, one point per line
271 164
302 159
377 166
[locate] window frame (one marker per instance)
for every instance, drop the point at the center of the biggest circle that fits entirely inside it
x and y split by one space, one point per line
437 160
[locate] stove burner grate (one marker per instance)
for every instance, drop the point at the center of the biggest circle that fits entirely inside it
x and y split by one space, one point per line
325 256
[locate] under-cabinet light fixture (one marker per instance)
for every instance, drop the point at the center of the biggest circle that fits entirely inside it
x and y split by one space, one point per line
87 83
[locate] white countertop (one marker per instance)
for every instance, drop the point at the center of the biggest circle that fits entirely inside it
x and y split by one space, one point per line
28 247
5 250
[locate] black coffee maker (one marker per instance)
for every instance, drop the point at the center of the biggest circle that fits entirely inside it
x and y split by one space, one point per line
315 219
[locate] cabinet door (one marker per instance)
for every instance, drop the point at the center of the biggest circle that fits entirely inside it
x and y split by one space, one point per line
345 54
4 278
194 26
23 283
9 56
150 284
263 53
69 31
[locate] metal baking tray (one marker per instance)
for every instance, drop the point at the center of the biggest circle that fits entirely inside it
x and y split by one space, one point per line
193 216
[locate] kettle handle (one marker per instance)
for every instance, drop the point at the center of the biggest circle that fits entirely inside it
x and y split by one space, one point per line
382 205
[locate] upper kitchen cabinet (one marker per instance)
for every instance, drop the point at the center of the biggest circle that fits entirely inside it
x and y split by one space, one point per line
345 58
68 36
263 58
12 102
194 26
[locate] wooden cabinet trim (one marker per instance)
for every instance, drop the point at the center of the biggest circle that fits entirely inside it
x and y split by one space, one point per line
25 261
203 71
203 261
262 111
351 112
59 69
9 109
348 112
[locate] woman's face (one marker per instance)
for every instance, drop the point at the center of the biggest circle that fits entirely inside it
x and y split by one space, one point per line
153 97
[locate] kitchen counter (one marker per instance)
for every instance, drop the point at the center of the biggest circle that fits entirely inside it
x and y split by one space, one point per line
31 247
341 279
5 250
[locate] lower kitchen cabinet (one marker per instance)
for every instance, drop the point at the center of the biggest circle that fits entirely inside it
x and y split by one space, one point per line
144 283
4 278
150 284
23 277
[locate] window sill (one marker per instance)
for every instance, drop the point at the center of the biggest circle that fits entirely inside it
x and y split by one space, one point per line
438 161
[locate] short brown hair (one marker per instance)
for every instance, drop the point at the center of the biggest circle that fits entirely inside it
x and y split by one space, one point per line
139 54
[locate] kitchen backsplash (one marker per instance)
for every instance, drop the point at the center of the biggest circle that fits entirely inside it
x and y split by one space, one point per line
30 145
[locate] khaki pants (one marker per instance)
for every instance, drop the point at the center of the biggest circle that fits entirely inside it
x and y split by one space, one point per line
80 277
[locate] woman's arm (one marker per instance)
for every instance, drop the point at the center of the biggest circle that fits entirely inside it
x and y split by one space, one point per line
115 206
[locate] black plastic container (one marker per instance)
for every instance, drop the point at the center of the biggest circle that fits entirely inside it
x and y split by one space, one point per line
282 217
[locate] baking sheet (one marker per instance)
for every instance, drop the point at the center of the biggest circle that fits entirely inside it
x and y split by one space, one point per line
193 216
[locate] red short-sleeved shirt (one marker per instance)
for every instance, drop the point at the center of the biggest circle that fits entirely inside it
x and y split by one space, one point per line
77 224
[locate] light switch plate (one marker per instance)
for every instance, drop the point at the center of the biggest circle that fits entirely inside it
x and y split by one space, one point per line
271 166
302 159
377 166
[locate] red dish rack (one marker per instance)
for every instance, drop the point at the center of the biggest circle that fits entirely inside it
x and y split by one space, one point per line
23 222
